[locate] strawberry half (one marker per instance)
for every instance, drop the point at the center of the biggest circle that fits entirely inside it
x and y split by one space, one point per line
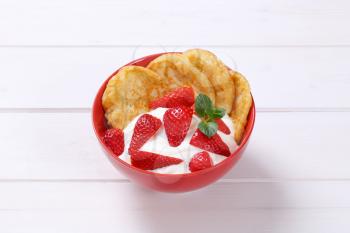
183 96
213 144
149 161
177 121
200 161
222 126
145 127
114 140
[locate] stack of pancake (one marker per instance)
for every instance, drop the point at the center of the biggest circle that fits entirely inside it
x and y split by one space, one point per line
129 92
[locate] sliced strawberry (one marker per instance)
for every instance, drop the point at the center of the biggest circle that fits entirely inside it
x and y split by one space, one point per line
145 127
222 126
200 161
213 144
114 140
177 121
149 161
161 102
183 96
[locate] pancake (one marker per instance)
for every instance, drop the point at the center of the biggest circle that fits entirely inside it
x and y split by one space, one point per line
217 74
241 105
178 71
128 94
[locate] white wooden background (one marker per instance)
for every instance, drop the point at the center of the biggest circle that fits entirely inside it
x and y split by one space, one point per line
295 174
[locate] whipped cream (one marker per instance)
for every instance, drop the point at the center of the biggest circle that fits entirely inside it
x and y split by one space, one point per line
185 151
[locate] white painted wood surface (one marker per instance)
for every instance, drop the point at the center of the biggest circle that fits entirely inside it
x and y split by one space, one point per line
178 22
301 77
294 176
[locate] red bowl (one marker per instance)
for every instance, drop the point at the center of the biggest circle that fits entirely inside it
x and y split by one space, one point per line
166 182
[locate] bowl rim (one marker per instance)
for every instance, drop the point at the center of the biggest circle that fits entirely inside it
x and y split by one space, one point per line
246 136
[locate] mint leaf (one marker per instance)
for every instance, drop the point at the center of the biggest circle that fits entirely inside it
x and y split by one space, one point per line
208 113
203 105
208 128
217 113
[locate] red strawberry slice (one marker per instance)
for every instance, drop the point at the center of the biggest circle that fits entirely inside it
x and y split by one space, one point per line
183 96
213 144
114 140
145 127
222 126
149 161
200 161
177 121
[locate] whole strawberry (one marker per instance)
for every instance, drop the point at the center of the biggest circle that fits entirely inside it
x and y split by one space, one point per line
145 127
149 161
177 121
114 140
183 96
213 144
200 161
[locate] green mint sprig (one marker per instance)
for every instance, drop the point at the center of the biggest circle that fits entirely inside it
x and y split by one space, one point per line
208 113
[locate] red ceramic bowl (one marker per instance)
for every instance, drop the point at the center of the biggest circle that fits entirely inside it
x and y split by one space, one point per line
165 182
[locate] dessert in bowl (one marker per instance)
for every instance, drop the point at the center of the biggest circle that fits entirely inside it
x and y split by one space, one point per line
176 121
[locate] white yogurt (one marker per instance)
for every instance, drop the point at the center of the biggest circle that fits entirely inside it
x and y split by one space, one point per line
185 151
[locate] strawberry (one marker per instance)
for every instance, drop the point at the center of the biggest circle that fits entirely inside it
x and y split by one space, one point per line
183 96
114 140
222 126
200 161
213 144
145 127
149 161
177 121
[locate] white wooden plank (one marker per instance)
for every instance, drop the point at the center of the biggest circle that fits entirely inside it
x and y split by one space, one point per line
70 77
154 221
222 196
138 22
58 146
54 77
109 207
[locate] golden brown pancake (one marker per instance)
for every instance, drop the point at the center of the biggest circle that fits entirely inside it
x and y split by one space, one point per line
217 74
178 71
128 94
241 105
